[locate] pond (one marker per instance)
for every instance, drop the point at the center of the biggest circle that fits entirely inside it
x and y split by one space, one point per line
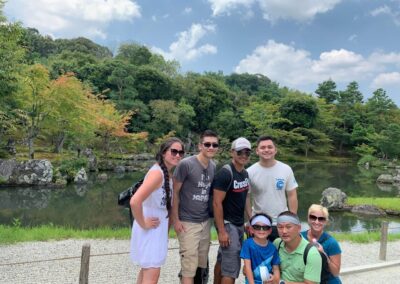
95 204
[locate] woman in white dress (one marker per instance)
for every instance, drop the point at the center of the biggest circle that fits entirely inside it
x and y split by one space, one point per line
150 206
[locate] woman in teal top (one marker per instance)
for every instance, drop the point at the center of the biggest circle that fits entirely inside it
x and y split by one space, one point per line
317 220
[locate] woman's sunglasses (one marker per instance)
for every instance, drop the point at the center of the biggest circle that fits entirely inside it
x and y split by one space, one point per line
243 152
208 145
314 218
261 228
175 152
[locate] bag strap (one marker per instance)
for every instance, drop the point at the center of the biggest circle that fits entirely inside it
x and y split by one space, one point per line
306 250
229 168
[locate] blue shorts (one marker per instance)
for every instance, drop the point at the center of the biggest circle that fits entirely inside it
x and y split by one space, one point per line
229 257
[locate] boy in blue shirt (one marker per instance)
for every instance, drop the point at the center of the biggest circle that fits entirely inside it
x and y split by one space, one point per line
261 258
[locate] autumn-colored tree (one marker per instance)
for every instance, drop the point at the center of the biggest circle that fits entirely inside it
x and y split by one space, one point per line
33 98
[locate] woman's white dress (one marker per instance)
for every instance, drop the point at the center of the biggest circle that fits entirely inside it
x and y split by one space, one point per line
149 247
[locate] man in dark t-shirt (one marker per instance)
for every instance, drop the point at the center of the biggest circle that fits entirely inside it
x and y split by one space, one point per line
230 187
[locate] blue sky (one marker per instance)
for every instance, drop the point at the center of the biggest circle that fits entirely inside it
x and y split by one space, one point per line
297 43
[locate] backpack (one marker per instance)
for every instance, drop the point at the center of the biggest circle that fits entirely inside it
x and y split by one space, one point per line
125 196
210 197
325 272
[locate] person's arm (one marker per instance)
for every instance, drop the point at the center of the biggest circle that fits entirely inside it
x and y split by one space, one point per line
175 207
248 206
292 200
152 182
218 198
247 270
334 262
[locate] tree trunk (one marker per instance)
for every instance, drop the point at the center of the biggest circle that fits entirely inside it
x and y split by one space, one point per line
31 149
60 139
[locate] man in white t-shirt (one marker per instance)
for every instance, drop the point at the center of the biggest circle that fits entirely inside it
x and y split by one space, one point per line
273 185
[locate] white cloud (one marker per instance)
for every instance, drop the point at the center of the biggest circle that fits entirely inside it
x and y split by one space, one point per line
381 10
386 80
225 6
353 38
187 11
73 17
305 10
296 69
187 47
387 11
274 10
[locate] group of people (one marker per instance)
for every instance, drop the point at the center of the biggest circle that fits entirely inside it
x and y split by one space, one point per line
184 192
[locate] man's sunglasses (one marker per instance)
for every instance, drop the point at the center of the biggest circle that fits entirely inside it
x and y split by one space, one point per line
243 153
175 152
208 145
314 218
261 228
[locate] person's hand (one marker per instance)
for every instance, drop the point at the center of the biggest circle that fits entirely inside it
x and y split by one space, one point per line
178 226
151 223
223 239
273 279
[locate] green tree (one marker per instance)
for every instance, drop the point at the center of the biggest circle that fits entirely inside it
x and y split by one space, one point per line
68 116
135 54
34 98
313 140
301 111
151 84
351 95
327 91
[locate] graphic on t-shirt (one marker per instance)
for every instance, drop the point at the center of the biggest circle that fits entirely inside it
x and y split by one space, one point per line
280 183
262 269
204 188
239 186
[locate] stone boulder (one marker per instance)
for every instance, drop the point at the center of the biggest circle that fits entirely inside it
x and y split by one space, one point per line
333 198
368 210
92 160
6 169
385 178
31 172
81 177
119 169
102 177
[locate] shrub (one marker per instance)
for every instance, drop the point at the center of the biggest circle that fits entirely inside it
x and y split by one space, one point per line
70 168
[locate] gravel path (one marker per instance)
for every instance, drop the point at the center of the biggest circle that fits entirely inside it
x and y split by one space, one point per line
59 262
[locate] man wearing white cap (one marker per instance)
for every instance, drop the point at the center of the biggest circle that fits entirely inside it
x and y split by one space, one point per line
231 185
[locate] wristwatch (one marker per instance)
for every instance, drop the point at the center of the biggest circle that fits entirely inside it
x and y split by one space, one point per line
282 282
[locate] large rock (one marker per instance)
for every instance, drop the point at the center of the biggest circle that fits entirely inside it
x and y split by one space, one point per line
385 178
368 210
6 169
333 198
81 177
92 160
31 172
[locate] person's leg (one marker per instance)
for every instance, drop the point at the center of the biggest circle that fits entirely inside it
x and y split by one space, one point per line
151 275
188 250
139 279
204 247
217 273
230 260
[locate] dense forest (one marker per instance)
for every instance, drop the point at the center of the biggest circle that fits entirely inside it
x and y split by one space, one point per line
70 94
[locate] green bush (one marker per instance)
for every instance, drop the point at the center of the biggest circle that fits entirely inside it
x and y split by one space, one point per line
373 161
70 168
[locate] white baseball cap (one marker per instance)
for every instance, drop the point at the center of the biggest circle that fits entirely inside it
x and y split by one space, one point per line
240 144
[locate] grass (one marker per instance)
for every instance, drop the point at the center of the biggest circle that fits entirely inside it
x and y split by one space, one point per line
16 234
386 203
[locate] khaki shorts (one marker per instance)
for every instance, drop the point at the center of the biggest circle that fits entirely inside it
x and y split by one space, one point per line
194 245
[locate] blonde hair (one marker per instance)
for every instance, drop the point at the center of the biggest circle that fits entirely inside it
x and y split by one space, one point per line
319 208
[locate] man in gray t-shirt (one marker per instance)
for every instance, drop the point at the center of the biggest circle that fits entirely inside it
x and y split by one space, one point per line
190 213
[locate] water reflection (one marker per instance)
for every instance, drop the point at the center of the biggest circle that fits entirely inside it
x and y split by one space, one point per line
94 204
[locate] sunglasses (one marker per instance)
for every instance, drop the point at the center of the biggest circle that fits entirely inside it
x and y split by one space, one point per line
175 152
261 228
314 218
208 145
243 153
